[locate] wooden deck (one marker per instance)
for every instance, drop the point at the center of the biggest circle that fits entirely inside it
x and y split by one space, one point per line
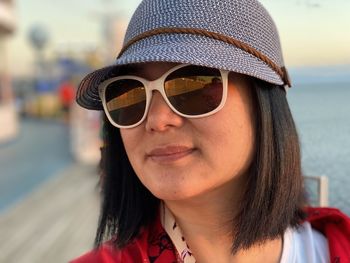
55 223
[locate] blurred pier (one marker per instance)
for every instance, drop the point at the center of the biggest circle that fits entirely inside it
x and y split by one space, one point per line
49 203
54 224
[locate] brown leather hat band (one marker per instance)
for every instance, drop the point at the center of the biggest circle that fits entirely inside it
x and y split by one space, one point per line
281 71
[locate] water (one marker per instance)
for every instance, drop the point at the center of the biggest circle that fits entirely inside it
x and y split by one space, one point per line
40 152
322 116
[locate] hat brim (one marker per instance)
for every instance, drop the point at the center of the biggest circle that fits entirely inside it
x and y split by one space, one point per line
178 48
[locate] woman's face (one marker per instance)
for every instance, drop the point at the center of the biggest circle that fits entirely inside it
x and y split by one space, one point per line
178 158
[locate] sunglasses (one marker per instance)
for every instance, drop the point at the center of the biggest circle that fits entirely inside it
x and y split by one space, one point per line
190 91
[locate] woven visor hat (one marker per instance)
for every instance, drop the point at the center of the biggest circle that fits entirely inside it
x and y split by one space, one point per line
234 35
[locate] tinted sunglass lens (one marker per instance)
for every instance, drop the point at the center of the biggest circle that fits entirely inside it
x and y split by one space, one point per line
194 90
126 101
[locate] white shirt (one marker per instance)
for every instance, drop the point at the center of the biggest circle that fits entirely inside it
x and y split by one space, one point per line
304 245
301 245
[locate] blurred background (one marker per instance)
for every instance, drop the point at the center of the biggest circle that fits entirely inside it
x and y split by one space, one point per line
49 147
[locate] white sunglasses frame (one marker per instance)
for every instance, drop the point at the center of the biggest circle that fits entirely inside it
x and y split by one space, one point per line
158 85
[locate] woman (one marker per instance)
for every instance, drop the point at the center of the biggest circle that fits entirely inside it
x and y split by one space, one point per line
201 160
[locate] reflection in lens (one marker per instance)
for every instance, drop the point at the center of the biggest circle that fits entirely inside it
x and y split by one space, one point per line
194 90
126 101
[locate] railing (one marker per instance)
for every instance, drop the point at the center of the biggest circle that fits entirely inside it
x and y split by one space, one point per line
321 190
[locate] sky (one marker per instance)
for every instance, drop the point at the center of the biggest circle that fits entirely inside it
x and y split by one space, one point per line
313 32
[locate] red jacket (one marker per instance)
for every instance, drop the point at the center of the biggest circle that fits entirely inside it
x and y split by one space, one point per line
336 227
154 245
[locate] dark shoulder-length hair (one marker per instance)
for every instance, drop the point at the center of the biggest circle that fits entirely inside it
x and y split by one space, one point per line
274 196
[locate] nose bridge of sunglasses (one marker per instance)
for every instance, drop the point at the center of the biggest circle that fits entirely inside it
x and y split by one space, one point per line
156 87
157 98
157 95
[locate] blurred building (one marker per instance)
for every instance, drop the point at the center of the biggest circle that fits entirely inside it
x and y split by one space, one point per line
8 120
86 125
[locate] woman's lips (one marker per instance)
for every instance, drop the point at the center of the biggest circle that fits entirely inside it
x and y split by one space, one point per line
169 153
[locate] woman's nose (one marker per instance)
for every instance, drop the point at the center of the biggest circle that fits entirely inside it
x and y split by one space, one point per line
160 116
